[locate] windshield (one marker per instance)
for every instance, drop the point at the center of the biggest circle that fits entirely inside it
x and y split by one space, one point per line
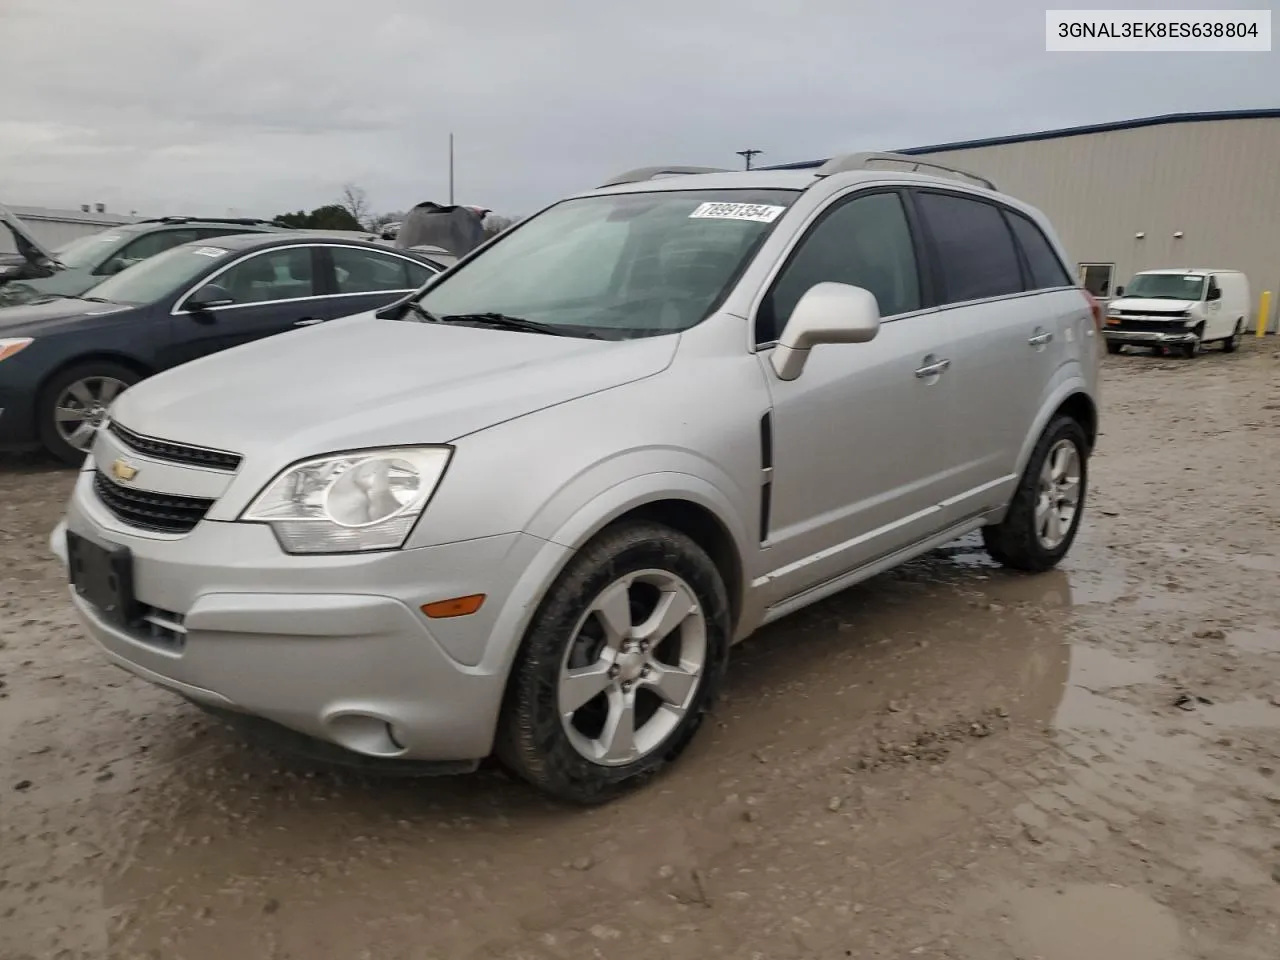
149 280
1166 286
88 251
618 266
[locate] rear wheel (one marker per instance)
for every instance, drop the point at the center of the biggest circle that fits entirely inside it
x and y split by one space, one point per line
1232 343
1045 512
623 659
74 403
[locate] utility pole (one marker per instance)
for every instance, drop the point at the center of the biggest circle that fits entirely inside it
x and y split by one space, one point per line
747 155
451 169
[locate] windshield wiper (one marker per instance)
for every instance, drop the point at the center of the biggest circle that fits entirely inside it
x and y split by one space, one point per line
504 322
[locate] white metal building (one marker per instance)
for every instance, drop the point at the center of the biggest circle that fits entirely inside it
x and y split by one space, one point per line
1182 190
53 228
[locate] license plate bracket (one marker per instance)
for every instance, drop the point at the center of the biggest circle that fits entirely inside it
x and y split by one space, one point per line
103 577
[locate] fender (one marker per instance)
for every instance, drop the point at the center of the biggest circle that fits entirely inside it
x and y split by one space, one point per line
584 523
1067 381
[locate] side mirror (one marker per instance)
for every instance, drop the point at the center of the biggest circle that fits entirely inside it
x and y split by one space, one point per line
1215 293
827 313
209 296
1119 291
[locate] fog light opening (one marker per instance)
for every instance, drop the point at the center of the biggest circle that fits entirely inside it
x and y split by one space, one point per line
366 734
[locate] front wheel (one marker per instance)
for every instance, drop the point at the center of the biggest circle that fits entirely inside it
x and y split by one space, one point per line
1113 347
74 403
623 659
1232 343
1045 512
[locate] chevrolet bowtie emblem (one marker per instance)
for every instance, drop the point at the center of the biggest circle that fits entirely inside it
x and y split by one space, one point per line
123 470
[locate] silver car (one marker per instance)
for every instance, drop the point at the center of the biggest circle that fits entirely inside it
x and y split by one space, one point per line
527 510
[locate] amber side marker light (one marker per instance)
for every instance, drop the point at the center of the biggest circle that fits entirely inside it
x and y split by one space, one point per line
457 607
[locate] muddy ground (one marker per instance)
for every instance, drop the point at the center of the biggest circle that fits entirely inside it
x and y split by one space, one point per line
946 762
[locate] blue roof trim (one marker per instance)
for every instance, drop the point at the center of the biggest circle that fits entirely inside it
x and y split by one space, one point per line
1260 114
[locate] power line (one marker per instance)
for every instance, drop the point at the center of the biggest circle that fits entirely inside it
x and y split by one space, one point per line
747 155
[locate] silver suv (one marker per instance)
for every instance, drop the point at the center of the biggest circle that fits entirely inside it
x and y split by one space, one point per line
528 509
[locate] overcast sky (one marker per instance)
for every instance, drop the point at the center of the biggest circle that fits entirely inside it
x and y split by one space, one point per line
261 106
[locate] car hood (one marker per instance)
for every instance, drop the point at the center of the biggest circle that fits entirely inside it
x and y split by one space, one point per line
51 316
364 381
1155 305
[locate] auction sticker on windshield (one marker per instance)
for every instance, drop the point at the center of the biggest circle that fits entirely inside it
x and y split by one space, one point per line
759 212
209 251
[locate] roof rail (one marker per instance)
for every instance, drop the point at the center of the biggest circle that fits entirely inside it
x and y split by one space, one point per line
241 220
640 174
861 161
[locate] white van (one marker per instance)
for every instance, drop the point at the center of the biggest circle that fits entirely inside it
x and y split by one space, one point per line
1179 308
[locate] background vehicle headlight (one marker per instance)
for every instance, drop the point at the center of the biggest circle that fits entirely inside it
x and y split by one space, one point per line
345 502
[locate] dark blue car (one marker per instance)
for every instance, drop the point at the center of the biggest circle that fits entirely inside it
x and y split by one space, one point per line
63 360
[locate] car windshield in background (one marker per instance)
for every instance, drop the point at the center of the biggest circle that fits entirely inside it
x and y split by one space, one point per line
1166 286
615 266
88 251
158 276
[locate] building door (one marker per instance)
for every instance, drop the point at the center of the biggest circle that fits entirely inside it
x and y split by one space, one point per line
1096 278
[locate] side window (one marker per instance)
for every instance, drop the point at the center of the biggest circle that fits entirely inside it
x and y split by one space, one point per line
274 275
865 242
974 247
1046 269
145 247
364 271
418 274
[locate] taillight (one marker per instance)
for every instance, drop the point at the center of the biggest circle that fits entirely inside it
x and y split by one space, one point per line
1095 307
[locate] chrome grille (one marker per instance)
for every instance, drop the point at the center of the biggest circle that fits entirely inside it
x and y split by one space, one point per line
171 452
161 512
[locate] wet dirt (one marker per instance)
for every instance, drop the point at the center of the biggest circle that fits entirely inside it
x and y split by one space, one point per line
949 761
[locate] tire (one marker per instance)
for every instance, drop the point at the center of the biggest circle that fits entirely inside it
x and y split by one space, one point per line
1232 343
567 758
1192 350
1015 542
1113 347
103 373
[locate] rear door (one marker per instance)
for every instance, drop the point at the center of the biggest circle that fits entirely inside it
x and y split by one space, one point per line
365 279
271 292
1012 311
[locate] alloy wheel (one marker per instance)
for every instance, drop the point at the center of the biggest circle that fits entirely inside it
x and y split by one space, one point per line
633 667
1058 495
82 407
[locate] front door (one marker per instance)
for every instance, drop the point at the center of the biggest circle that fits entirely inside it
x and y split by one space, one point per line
861 458
271 292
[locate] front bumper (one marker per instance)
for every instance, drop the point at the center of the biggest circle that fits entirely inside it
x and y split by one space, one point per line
333 647
1151 337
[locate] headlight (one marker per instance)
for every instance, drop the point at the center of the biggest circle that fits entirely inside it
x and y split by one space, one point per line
348 502
11 346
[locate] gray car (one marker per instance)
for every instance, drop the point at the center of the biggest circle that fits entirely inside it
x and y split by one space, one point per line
529 509
84 262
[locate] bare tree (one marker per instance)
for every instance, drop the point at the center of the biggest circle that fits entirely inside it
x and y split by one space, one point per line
356 202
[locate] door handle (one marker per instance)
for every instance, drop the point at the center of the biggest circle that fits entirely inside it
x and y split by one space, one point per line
932 369
308 321
1040 339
